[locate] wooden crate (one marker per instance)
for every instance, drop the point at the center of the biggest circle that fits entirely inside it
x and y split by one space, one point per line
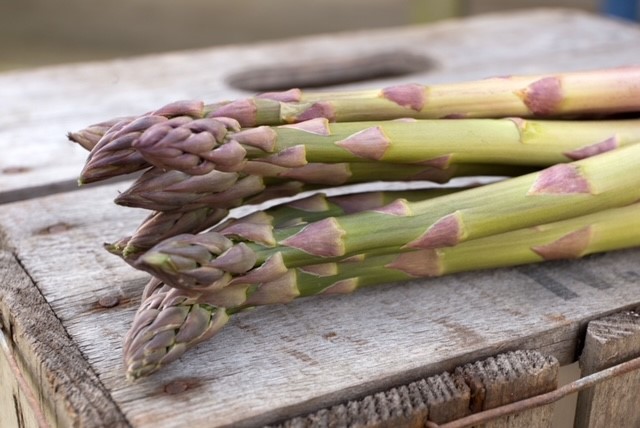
277 362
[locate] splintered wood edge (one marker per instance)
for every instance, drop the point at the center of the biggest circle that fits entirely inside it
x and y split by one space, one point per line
68 390
442 398
609 341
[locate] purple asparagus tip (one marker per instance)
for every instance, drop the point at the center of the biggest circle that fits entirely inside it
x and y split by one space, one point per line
114 154
197 262
168 323
191 146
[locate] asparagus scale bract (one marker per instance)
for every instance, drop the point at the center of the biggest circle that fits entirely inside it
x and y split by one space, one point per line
170 320
210 260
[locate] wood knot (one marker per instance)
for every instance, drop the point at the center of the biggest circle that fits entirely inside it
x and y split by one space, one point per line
15 170
54 228
330 335
179 386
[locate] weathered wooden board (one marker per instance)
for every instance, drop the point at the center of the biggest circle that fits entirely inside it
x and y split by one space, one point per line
37 108
283 360
609 341
280 361
65 387
445 397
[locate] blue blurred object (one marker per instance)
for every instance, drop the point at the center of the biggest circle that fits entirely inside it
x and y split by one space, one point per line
628 9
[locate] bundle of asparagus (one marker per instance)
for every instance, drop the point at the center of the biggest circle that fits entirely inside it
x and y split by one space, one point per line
201 160
172 320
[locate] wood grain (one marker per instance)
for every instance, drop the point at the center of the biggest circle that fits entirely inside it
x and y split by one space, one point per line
445 397
69 391
40 106
614 403
291 359
14 407
440 398
273 362
508 378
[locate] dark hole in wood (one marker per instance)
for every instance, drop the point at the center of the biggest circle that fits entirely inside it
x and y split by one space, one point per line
336 71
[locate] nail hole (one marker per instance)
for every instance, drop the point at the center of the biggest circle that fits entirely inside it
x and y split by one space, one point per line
335 71
109 301
15 170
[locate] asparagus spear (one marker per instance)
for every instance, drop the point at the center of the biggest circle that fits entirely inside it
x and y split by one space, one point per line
159 226
319 206
162 225
562 191
600 91
170 320
197 147
202 145
589 92
178 191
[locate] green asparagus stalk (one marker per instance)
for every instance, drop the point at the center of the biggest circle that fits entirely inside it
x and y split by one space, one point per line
199 146
552 95
591 92
319 206
562 191
178 191
170 320
163 225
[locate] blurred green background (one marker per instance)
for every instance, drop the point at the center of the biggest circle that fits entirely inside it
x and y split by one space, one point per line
43 32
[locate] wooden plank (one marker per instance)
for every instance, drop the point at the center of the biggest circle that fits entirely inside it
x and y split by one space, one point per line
290 359
40 106
508 378
614 403
440 398
445 397
13 401
69 392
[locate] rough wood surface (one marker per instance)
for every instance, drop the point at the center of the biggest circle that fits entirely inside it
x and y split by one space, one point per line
290 359
442 398
39 107
609 341
14 407
273 362
508 378
68 390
